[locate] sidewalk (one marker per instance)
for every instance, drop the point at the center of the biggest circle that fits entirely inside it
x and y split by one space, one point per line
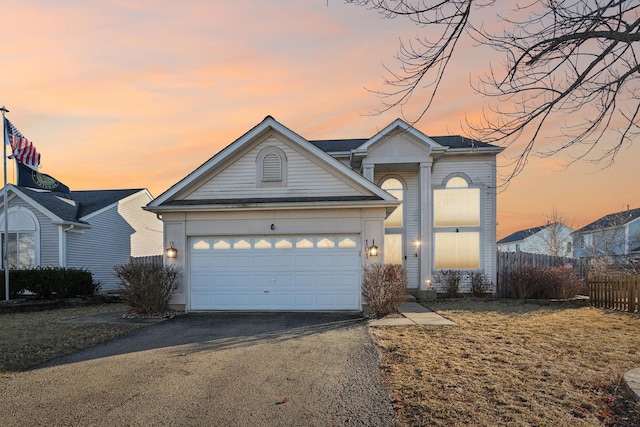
413 314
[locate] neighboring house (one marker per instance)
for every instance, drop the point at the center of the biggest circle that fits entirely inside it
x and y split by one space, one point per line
614 238
95 229
277 222
551 239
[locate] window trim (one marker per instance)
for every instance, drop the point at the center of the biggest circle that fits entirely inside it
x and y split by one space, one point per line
402 231
260 159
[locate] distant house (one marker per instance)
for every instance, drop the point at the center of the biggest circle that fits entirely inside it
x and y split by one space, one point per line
95 229
614 238
551 239
277 222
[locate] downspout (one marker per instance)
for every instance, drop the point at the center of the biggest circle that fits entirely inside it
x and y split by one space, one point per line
62 246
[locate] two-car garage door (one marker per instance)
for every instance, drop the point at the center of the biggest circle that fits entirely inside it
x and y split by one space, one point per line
305 272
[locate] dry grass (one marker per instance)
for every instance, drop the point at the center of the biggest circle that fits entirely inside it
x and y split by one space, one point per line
27 339
512 364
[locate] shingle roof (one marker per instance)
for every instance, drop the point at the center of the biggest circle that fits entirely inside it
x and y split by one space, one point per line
196 202
86 202
612 220
451 141
521 235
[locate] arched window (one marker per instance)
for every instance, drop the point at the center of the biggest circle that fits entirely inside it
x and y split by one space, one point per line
394 229
271 168
24 239
456 215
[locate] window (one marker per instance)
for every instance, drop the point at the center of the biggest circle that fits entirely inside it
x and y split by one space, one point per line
456 215
394 224
23 239
271 168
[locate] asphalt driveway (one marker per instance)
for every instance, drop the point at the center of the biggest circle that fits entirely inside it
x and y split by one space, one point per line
271 369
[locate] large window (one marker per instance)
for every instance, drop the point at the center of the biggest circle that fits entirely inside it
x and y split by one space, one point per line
22 251
456 214
394 224
23 239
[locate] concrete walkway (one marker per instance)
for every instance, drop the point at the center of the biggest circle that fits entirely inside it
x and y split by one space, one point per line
412 314
632 380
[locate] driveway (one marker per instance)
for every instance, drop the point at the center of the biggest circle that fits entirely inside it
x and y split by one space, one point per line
222 369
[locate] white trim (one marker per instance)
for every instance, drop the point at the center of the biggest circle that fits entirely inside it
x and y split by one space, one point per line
404 127
269 123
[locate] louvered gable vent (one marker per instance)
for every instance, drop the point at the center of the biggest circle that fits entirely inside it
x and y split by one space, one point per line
271 168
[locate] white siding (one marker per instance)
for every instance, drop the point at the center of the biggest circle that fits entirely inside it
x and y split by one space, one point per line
305 178
147 237
106 244
481 170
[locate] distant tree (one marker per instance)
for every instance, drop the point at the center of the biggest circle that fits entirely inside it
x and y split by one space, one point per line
570 59
555 239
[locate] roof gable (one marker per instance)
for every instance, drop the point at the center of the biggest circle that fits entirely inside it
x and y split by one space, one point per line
231 174
74 209
410 133
613 220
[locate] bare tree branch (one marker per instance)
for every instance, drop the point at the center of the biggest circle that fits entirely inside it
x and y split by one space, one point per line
570 74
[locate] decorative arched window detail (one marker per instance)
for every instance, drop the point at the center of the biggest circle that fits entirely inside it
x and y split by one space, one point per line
271 168
24 238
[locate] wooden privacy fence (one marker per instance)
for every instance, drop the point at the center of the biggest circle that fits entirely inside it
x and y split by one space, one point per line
615 292
152 259
507 261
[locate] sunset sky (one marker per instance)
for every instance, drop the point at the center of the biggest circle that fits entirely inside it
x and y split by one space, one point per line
137 94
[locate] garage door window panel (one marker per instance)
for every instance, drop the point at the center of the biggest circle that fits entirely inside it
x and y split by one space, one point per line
221 244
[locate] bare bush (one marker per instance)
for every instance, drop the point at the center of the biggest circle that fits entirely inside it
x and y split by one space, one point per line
537 282
384 287
450 280
480 285
147 288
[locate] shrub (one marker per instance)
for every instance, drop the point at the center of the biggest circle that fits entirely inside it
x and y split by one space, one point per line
450 281
384 286
539 282
480 285
147 288
50 282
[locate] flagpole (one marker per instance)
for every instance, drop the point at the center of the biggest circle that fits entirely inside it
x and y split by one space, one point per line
5 250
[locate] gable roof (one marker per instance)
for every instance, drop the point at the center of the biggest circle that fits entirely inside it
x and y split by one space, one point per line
73 208
521 235
612 220
167 199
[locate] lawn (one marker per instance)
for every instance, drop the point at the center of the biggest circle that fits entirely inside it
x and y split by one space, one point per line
512 364
27 339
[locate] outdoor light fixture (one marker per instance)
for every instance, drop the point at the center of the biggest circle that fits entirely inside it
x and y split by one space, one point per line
171 251
373 249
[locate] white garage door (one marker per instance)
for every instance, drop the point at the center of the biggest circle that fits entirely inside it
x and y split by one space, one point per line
275 273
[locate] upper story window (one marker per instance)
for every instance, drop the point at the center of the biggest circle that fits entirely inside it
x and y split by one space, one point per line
271 168
456 205
394 187
456 217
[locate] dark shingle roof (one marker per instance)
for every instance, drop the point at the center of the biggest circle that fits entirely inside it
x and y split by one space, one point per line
86 202
457 141
333 145
521 235
451 141
201 202
612 220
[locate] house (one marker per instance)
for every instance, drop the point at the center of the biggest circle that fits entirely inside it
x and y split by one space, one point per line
614 238
277 222
551 239
95 229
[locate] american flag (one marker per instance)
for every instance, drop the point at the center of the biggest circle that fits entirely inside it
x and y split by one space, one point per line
23 150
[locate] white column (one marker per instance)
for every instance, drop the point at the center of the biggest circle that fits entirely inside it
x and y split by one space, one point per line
426 225
367 172
62 247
